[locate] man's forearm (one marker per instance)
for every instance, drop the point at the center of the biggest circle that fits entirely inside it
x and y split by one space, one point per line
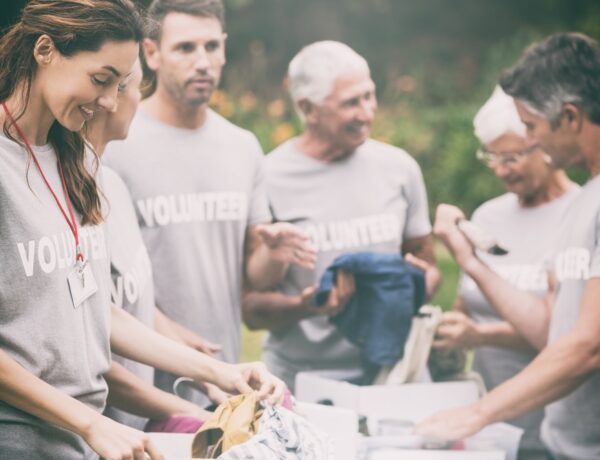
433 277
262 272
421 247
272 310
556 371
526 312
502 334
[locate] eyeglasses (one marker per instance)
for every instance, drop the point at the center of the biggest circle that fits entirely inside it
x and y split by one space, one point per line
505 158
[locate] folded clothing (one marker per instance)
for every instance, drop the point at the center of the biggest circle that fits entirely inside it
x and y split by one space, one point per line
377 319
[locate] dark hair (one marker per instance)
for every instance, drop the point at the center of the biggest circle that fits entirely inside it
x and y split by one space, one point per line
73 26
159 9
563 68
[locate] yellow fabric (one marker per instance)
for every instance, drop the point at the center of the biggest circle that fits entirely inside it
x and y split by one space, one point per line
234 422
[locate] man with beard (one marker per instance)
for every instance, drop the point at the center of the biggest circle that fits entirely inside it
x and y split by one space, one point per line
555 86
197 184
350 194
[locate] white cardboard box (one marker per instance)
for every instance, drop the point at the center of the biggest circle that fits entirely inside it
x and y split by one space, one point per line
396 454
173 446
340 424
411 402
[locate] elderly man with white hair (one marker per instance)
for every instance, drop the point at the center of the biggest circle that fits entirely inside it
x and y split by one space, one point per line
349 193
527 221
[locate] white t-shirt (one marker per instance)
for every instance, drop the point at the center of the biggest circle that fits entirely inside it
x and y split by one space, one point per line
571 428
370 201
530 235
131 274
41 329
195 193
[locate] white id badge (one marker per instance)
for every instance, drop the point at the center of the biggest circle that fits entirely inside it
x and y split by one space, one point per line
82 284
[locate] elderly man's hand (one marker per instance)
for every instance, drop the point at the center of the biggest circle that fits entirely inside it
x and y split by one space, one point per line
451 425
340 294
111 440
445 228
338 298
288 243
432 274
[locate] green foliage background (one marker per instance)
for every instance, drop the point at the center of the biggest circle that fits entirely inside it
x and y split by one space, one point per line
434 62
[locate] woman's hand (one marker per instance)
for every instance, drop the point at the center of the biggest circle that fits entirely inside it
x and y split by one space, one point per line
248 377
113 441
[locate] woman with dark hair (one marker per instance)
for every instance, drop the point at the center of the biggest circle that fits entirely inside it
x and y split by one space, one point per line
59 65
62 64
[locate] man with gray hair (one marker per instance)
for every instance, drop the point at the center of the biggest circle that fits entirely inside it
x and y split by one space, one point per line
349 193
555 85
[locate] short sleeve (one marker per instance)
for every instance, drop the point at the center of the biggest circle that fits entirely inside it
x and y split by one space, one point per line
417 216
258 206
595 261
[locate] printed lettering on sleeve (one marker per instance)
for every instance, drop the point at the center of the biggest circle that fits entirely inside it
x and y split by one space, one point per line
127 286
573 264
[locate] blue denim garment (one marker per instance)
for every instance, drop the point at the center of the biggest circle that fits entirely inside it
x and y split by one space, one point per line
389 292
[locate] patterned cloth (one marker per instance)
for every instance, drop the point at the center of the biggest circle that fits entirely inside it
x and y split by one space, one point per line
283 435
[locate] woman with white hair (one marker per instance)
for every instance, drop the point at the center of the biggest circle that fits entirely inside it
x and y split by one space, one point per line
526 220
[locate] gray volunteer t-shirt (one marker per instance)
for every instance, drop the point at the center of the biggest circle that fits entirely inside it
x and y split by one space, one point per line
195 193
529 234
370 201
571 428
66 346
131 274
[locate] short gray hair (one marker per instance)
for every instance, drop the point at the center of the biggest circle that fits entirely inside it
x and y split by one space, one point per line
561 69
314 70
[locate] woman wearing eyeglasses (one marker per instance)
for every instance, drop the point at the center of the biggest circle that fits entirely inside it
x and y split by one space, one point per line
526 221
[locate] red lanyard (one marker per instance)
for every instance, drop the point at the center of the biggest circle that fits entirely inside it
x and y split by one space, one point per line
71 222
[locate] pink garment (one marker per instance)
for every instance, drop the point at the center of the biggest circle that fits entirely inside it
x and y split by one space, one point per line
176 424
288 400
186 424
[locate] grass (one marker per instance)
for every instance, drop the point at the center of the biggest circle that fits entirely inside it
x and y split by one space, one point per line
252 340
